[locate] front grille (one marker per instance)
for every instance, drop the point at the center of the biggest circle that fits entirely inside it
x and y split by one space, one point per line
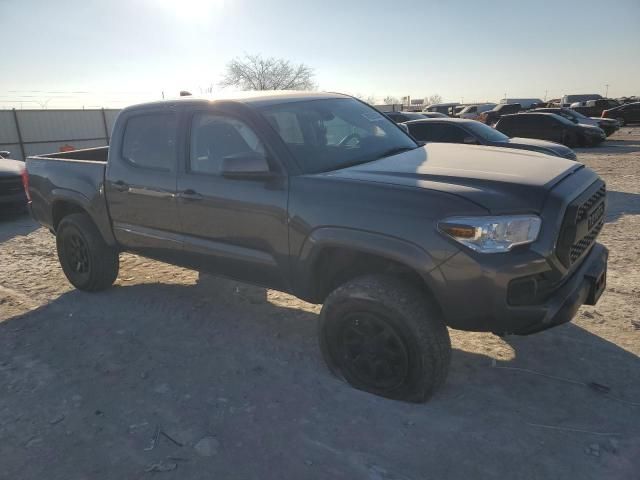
10 186
583 245
593 200
583 221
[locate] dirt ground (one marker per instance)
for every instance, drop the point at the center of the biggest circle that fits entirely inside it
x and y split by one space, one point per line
173 376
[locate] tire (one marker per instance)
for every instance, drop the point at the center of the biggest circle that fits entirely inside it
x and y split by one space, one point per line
87 261
620 121
381 335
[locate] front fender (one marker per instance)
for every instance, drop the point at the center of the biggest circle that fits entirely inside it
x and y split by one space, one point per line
385 246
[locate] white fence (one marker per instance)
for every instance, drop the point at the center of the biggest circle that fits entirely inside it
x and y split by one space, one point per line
34 132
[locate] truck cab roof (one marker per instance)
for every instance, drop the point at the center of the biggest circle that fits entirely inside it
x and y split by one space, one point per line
260 98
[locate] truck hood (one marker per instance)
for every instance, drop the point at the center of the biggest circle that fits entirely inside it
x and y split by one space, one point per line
498 179
10 168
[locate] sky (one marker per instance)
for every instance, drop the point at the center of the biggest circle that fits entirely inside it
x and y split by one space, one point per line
69 53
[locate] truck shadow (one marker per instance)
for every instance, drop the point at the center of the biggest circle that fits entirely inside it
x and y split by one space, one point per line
232 360
622 203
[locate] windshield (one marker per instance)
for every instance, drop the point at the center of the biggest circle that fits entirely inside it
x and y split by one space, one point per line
576 114
561 118
486 132
329 134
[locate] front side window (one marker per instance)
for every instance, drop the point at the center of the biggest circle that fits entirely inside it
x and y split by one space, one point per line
329 134
215 137
150 141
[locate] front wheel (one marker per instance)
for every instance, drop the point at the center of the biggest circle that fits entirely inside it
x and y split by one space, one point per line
620 121
381 335
87 261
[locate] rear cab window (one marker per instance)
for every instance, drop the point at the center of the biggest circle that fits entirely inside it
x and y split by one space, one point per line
149 141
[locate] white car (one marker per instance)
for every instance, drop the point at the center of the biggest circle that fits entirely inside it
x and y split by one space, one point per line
472 112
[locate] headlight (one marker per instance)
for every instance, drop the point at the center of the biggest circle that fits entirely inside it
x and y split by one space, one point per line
492 234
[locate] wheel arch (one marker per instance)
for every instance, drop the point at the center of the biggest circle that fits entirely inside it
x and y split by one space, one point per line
333 255
67 202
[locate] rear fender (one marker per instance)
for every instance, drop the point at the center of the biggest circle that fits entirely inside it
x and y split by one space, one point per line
95 207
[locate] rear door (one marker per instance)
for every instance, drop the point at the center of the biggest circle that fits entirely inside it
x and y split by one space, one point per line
141 182
632 112
235 227
551 129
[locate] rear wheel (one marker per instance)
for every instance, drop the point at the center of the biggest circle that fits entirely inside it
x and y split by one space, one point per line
381 335
87 261
620 121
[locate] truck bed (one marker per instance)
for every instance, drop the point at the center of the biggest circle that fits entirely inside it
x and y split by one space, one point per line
98 154
77 177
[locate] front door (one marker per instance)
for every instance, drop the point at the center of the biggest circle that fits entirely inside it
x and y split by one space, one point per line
141 184
237 226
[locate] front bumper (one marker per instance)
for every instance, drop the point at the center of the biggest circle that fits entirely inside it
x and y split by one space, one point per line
584 287
475 297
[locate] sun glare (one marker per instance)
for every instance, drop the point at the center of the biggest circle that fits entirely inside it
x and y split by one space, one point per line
190 9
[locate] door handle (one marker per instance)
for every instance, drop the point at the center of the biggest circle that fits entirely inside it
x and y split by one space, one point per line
121 186
190 194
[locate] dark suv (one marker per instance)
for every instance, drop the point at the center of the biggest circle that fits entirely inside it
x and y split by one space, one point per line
627 113
552 127
498 111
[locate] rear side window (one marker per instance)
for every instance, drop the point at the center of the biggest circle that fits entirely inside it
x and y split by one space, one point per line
150 141
452 134
505 122
426 132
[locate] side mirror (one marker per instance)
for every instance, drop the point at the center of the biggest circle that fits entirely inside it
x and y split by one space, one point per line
246 165
470 140
404 127
4 154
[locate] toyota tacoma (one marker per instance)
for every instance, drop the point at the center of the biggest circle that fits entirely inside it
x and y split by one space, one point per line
322 196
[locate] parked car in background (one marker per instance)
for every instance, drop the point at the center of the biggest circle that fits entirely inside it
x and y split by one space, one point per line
401 117
624 114
609 125
472 132
491 116
12 190
455 111
322 196
525 103
433 115
552 127
567 100
594 108
441 107
472 112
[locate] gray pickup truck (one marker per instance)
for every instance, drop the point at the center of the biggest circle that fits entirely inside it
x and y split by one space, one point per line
324 197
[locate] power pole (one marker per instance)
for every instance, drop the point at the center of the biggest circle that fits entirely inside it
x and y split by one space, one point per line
606 93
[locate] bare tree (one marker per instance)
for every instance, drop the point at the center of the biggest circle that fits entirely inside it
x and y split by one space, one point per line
370 99
389 100
433 99
253 72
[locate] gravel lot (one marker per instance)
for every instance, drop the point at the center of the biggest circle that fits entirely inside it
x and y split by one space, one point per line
172 375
